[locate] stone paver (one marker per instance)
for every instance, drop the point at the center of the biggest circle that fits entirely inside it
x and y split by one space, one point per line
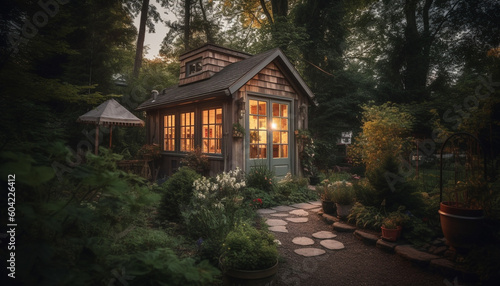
324 234
276 222
316 203
332 244
283 208
265 211
297 219
280 215
366 237
299 213
416 256
329 218
308 252
279 228
305 206
386 246
303 241
343 227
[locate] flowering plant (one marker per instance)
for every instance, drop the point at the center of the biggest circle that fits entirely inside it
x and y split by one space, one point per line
341 192
306 152
247 248
256 203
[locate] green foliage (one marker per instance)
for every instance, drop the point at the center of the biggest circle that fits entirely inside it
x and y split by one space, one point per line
196 161
247 248
384 133
365 193
368 217
261 177
214 209
138 238
342 192
306 152
163 267
176 192
268 199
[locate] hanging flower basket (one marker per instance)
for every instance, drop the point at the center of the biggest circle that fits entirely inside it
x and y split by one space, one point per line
238 130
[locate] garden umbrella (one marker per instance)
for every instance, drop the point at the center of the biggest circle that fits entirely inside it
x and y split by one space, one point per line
109 113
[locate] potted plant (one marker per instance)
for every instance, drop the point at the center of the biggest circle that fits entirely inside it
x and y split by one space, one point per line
343 196
249 257
462 215
326 195
392 225
238 130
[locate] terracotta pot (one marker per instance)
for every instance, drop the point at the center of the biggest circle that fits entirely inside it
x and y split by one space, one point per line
329 207
263 277
343 210
391 234
462 227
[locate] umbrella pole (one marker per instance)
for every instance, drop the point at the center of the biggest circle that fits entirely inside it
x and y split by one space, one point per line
110 135
96 139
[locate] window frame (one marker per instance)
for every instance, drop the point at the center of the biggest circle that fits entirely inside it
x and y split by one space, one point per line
195 62
218 133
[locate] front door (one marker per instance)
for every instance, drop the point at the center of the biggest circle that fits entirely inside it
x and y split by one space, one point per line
269 135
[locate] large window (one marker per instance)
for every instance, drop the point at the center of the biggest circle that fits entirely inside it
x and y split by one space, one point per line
280 130
187 132
169 132
212 131
258 129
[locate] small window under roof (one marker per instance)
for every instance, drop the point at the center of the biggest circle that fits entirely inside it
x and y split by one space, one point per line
193 67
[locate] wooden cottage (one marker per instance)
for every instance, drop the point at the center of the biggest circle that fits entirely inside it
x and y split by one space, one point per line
218 90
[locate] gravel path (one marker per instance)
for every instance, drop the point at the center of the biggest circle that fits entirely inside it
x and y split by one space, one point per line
356 264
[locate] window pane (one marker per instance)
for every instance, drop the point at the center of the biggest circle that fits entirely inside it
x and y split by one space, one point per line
169 133
253 107
284 124
284 110
276 109
262 108
212 131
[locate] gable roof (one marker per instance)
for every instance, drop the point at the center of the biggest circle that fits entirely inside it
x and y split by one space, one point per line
229 80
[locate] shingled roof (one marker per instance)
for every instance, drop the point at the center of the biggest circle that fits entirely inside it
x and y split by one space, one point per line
228 81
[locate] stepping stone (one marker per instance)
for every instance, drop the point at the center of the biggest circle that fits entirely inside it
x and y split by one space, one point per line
324 234
280 215
303 241
279 228
329 218
283 208
316 203
276 222
332 244
305 206
316 210
308 252
299 213
297 219
343 227
265 211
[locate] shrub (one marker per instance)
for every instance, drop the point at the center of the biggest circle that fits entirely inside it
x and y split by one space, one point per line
197 161
365 193
176 192
253 193
343 192
261 177
247 248
368 217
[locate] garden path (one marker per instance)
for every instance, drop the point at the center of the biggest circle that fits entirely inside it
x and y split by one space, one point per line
312 253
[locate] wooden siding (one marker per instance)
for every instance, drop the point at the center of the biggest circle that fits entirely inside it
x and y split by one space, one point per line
212 62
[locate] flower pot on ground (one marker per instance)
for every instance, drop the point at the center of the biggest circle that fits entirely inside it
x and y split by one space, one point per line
329 207
343 196
250 257
391 231
462 227
325 193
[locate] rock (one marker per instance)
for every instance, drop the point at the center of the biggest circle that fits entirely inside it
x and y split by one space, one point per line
330 219
308 252
265 211
279 228
343 227
316 203
299 213
332 244
324 234
279 215
297 219
276 222
303 241
367 238
305 206
386 246
415 256
283 208
440 250
445 267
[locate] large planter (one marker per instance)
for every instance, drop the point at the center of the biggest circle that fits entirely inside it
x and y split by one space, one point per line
391 234
329 207
462 227
263 277
343 210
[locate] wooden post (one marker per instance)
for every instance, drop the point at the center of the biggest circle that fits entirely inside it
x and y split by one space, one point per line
96 139
110 135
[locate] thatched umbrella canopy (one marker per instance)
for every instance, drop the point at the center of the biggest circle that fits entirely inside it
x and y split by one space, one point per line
109 113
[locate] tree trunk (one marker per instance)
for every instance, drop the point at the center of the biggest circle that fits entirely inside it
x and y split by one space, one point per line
140 38
187 26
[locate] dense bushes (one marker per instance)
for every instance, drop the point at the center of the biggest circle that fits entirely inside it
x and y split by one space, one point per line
176 192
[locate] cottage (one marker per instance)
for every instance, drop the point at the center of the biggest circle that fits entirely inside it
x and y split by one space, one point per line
219 90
